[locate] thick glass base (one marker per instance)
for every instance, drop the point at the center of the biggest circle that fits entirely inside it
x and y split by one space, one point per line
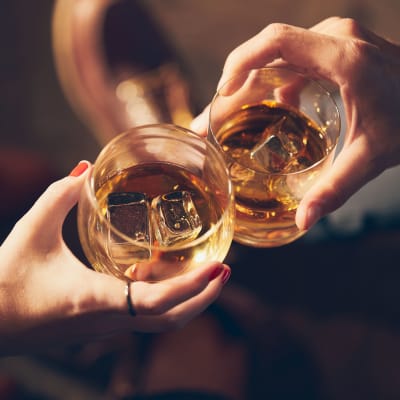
265 237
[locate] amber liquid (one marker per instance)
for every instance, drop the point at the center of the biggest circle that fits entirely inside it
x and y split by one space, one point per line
267 196
156 262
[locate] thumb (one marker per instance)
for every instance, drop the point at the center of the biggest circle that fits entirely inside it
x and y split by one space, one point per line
349 172
50 210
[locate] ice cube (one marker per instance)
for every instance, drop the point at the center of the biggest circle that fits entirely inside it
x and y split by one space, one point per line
128 213
291 134
271 155
175 218
278 146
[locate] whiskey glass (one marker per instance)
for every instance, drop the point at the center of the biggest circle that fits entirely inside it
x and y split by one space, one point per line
157 203
278 130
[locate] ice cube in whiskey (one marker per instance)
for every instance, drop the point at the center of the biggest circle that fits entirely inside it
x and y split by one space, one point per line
271 155
267 144
279 146
175 218
128 212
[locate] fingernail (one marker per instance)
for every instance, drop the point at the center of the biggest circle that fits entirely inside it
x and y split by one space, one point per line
226 275
216 272
79 169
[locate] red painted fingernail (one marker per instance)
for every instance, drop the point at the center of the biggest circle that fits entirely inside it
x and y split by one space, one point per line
226 275
79 169
216 272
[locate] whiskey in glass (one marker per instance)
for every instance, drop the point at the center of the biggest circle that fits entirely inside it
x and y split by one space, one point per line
158 203
278 130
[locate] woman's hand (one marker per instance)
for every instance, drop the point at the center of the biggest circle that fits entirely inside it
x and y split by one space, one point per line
366 69
48 297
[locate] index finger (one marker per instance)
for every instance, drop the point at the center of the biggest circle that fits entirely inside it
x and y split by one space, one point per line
312 52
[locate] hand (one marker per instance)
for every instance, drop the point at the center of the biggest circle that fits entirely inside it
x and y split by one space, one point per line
366 69
48 297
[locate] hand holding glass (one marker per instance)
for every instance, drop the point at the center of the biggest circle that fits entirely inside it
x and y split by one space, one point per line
159 202
278 130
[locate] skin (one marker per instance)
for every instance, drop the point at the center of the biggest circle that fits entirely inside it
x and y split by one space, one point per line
48 297
365 68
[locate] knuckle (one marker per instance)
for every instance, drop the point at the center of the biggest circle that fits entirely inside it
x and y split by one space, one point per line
351 27
332 19
270 34
276 30
272 31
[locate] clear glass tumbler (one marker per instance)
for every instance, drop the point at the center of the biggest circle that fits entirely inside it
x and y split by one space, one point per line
278 130
158 202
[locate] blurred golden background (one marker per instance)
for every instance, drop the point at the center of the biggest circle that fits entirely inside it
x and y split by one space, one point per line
34 114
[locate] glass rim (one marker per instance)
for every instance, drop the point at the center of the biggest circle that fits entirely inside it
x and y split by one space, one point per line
247 72
89 186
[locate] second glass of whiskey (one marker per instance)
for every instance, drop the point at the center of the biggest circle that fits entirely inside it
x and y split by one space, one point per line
158 203
278 131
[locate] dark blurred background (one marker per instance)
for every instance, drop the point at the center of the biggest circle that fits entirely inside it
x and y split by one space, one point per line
34 114
317 319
